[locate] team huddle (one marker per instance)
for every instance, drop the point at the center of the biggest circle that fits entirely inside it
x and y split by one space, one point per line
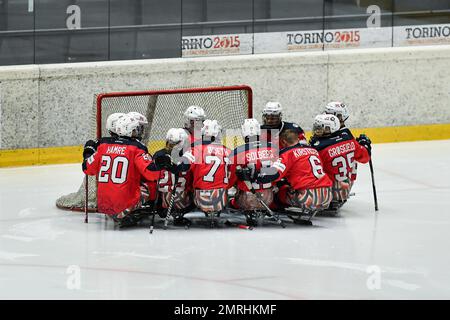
276 170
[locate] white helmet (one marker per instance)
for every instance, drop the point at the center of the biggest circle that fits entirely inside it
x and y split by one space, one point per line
250 128
142 122
127 126
111 121
210 128
272 108
176 136
193 113
337 108
139 117
326 121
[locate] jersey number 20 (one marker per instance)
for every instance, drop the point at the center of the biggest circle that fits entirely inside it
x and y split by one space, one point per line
118 172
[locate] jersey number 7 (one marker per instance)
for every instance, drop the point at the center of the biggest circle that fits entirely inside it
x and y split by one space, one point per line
216 162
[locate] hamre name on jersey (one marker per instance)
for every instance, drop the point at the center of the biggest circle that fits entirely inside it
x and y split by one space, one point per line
116 150
304 152
342 149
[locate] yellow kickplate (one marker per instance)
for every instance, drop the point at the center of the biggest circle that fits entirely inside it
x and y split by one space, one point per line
73 154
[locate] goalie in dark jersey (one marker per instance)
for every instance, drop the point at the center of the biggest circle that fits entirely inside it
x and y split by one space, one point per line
273 125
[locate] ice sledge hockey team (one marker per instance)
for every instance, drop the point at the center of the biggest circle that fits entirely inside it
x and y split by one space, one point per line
275 171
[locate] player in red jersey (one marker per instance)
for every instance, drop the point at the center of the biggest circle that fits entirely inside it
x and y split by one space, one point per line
273 125
309 188
193 122
339 152
175 143
120 163
209 162
251 156
340 110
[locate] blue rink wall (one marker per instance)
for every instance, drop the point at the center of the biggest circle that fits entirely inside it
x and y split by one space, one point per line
394 94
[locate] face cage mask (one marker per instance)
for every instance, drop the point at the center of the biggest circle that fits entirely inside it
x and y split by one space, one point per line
274 116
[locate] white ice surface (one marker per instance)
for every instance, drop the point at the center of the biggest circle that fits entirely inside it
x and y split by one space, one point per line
407 240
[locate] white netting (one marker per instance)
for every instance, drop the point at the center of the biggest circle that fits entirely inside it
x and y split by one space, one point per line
164 109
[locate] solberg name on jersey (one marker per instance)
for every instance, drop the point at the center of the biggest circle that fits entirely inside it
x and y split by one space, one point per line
259 155
342 149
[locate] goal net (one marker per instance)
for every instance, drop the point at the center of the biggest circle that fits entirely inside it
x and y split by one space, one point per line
164 109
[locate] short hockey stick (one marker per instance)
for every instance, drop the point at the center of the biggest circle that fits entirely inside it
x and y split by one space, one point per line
86 199
171 202
152 225
375 200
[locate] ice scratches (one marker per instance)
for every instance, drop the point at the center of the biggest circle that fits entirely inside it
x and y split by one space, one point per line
12 256
352 266
37 230
27 212
401 284
24 239
118 254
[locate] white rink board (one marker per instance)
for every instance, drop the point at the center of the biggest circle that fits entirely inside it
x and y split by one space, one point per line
407 242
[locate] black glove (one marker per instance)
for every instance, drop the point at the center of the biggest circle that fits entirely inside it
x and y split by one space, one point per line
244 174
282 182
90 147
163 161
365 142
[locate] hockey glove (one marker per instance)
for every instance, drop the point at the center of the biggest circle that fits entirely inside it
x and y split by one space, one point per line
244 174
163 161
90 147
365 142
282 182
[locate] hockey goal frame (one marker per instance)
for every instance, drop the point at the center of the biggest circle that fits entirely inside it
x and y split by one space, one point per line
102 96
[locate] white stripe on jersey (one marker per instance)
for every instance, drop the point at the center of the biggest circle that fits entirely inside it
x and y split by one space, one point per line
280 166
91 159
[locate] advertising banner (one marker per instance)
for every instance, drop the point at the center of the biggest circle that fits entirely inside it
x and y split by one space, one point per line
224 44
421 35
311 40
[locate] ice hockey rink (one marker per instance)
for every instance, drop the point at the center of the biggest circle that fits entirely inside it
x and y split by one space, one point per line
401 252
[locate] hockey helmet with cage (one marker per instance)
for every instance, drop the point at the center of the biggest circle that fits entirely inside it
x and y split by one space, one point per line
325 124
139 117
176 136
111 122
211 128
142 121
193 113
272 113
127 126
338 109
250 128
